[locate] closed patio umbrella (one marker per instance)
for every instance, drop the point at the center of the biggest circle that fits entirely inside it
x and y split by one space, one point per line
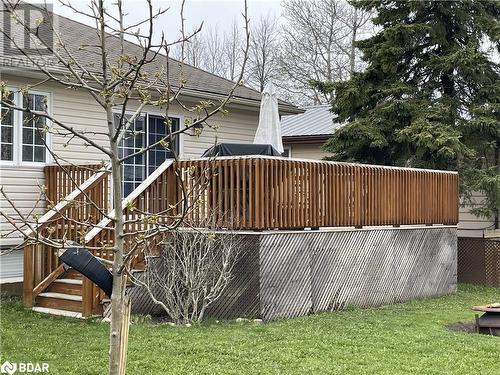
269 129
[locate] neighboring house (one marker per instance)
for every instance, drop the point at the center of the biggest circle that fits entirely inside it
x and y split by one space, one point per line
304 134
23 155
472 226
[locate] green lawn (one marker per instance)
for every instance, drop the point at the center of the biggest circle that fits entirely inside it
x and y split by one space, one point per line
406 338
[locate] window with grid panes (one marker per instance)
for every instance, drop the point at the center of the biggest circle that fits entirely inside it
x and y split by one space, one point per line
33 129
23 136
7 131
146 130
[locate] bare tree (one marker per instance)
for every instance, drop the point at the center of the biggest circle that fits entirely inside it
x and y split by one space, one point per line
192 52
216 52
190 272
122 80
264 51
232 51
214 60
318 45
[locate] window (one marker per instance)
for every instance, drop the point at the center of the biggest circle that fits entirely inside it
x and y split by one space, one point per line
34 135
7 132
133 169
23 136
145 131
157 130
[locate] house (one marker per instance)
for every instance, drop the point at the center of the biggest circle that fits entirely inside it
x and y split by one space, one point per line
304 134
23 156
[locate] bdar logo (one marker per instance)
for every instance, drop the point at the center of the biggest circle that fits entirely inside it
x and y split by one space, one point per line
8 368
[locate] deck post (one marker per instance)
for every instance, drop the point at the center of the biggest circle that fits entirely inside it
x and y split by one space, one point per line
87 297
28 275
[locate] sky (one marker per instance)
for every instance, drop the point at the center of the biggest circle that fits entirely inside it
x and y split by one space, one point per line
214 14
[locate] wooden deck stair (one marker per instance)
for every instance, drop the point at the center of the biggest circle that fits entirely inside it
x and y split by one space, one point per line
63 296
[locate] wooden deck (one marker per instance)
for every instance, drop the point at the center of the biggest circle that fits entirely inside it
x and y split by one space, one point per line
238 193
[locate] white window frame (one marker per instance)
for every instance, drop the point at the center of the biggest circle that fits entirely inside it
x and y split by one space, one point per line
17 159
180 137
146 113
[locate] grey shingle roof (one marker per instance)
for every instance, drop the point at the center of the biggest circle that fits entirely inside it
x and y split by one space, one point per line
198 82
316 120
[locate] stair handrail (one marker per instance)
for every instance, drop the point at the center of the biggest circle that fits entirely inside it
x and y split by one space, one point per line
127 200
76 193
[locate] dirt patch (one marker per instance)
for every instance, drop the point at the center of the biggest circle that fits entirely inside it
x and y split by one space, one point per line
469 327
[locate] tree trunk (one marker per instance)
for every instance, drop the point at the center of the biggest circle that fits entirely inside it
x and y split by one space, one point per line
117 298
352 53
497 164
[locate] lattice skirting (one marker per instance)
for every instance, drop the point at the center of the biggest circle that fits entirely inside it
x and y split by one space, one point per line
479 261
287 274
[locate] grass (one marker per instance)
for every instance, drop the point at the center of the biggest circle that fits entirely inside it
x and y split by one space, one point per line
399 339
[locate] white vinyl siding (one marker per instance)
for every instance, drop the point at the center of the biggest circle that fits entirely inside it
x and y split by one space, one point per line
470 225
308 151
11 266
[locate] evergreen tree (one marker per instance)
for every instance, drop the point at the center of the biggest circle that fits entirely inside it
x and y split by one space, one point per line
430 94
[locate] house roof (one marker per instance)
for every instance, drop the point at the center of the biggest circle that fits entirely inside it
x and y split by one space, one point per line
316 121
198 83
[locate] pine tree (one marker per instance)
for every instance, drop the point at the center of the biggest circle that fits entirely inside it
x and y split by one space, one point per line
430 94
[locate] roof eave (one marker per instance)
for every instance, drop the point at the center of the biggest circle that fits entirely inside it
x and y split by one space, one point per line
306 139
284 108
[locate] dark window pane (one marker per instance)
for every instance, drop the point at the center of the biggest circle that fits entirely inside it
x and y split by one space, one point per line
38 102
27 119
128 173
27 136
140 124
39 138
127 188
6 134
39 154
139 173
6 152
27 153
7 117
40 122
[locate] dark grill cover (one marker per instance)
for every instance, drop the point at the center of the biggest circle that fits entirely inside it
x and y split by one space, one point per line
88 265
234 149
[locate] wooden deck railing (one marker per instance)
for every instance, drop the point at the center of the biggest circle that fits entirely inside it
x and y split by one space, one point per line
63 180
257 192
281 193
